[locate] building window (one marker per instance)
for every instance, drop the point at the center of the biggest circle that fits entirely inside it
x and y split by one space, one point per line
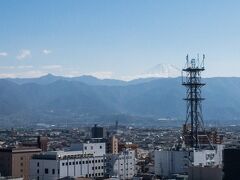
21 158
21 170
38 164
85 147
77 162
58 171
53 171
66 163
91 147
70 163
46 170
62 164
95 161
100 147
38 171
73 163
92 161
21 164
92 168
38 178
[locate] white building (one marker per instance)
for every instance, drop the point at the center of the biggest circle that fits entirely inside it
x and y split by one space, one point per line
88 162
168 162
97 149
208 157
121 165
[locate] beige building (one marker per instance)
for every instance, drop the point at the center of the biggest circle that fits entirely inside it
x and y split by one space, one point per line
112 145
14 162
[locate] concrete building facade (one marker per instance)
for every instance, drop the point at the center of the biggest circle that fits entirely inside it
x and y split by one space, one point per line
59 164
122 165
168 162
112 145
83 160
14 162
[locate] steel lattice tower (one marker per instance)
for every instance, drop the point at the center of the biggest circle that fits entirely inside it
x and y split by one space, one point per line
191 79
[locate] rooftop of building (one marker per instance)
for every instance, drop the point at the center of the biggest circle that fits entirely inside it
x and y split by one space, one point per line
54 155
20 149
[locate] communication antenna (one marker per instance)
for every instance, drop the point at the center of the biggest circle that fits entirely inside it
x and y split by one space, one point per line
193 83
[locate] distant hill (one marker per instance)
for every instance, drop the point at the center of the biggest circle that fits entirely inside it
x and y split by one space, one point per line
55 98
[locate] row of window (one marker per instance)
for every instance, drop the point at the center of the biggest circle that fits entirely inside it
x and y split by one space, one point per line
120 169
47 171
100 147
97 167
121 158
87 175
81 162
92 175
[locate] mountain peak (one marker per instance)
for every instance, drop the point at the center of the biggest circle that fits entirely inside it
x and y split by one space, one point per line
49 75
163 70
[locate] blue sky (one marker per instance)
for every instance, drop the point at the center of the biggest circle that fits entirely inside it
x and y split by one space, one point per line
118 38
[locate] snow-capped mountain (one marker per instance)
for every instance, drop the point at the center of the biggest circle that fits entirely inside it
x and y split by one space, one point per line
162 70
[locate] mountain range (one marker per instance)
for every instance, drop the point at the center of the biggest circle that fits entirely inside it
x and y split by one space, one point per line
55 99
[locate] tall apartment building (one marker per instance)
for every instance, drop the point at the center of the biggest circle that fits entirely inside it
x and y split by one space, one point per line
231 163
121 165
168 162
42 143
98 132
112 145
14 162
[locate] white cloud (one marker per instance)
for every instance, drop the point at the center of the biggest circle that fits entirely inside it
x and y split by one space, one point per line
46 51
102 74
15 67
3 54
50 67
24 67
7 67
25 74
23 54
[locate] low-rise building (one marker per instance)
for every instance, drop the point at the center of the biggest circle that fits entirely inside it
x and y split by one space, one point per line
84 160
59 164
